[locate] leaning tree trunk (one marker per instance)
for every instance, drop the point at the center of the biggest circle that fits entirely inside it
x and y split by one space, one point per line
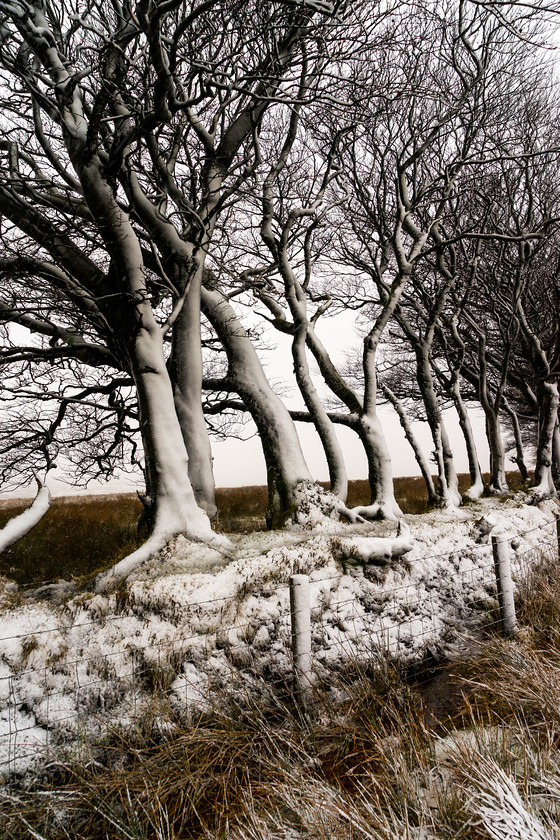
383 504
556 455
175 507
476 488
421 459
449 465
321 421
367 425
130 314
20 525
186 374
519 448
296 298
285 463
491 407
447 476
548 417
498 479
175 510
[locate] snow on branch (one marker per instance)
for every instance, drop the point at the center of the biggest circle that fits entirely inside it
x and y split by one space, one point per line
20 525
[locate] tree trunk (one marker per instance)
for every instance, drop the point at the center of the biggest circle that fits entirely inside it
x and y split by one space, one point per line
186 375
130 315
556 455
498 480
367 426
449 465
519 448
476 488
321 421
20 525
383 504
175 507
548 417
284 458
421 459
175 510
449 495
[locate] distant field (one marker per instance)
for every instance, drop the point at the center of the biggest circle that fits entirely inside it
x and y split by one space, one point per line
82 534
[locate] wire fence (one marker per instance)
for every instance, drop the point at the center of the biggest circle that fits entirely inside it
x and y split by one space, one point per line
68 680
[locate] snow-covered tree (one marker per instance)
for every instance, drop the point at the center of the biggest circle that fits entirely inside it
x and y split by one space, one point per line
127 132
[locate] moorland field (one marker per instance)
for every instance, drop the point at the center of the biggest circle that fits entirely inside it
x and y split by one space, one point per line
83 533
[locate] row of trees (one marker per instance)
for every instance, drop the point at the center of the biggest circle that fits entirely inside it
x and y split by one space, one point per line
167 168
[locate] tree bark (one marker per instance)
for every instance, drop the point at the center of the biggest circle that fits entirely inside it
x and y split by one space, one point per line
519 448
421 459
175 507
548 417
321 421
383 504
556 455
498 480
186 375
476 488
21 525
285 463
447 476
367 425
130 314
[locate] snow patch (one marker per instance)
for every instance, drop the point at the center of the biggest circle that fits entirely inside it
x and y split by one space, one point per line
190 619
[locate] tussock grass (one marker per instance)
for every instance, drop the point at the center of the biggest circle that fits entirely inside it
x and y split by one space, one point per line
538 600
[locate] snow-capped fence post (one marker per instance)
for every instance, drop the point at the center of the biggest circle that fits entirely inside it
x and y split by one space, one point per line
300 609
502 566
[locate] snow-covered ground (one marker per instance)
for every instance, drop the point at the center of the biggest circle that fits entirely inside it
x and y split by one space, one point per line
75 666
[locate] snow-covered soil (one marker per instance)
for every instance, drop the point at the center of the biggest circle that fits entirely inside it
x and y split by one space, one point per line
73 666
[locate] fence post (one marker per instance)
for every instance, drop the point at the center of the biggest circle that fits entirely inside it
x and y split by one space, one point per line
557 517
502 566
300 609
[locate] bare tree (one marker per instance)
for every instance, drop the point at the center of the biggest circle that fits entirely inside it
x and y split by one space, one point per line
128 131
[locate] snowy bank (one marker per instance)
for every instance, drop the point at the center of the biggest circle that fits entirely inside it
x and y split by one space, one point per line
191 617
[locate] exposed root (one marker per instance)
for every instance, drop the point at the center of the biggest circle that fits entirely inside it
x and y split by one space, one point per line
378 510
475 491
378 550
157 542
540 494
316 507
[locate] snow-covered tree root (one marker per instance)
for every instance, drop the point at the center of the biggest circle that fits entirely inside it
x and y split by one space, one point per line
378 550
313 507
475 491
379 510
108 580
21 525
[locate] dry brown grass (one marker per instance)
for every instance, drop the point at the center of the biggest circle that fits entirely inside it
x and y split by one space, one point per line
251 762
77 536
363 766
